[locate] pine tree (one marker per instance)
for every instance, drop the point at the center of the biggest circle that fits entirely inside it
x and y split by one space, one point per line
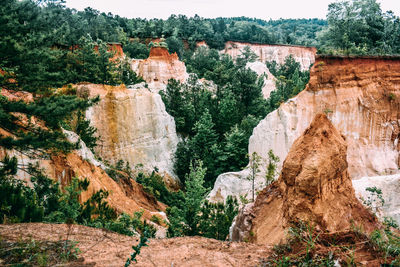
195 193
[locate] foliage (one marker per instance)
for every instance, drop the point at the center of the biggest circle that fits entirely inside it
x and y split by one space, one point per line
136 50
195 216
254 161
194 197
217 123
247 55
46 202
271 167
359 27
154 185
290 81
142 243
38 253
21 203
216 218
86 132
375 199
127 225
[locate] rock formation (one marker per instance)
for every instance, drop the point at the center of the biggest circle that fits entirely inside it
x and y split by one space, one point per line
159 67
361 97
133 126
302 54
269 79
314 187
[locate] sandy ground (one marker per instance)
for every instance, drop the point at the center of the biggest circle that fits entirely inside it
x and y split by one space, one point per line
103 248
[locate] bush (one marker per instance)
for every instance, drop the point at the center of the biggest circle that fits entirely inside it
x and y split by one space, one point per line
153 184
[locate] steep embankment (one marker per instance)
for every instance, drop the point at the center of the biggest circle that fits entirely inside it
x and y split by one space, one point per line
302 54
314 187
133 126
361 96
159 67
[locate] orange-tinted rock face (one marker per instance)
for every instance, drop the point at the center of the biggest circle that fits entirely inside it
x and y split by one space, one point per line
117 49
361 97
127 196
304 55
160 66
314 187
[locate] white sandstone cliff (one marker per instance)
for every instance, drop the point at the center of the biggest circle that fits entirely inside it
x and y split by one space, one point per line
133 126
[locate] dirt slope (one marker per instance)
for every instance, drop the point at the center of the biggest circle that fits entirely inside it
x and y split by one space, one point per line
109 249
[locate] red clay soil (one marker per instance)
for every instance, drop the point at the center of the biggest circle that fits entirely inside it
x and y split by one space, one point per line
104 248
314 187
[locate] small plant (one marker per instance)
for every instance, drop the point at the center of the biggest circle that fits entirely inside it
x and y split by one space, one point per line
375 199
155 219
243 199
327 111
320 65
392 97
271 167
136 249
255 161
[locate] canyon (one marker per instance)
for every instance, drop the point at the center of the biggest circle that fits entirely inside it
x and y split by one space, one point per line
361 98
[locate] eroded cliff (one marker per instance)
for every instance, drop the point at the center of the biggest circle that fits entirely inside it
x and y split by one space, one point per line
133 126
302 54
314 187
361 97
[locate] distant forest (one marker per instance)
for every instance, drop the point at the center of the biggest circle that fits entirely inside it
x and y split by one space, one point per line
68 25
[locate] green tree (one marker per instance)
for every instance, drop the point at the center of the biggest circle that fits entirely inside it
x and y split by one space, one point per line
358 27
136 50
254 162
246 56
271 167
194 198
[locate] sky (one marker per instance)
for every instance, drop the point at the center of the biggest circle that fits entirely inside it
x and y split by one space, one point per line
262 9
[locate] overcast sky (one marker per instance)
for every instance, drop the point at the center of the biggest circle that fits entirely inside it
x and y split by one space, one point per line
263 9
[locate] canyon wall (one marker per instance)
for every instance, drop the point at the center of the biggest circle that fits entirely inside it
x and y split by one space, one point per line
159 67
361 96
133 126
302 54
